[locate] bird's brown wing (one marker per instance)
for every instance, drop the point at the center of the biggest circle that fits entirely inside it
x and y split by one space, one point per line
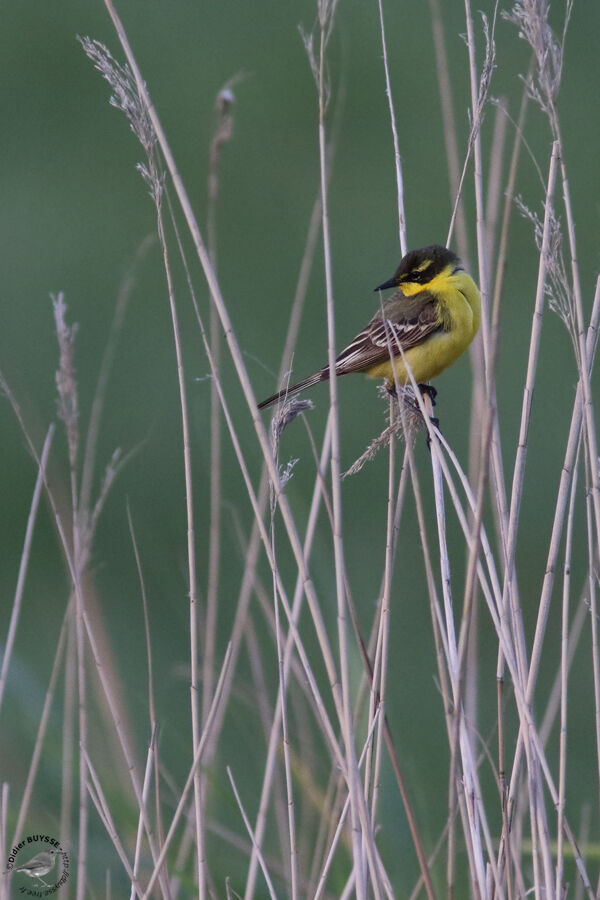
403 321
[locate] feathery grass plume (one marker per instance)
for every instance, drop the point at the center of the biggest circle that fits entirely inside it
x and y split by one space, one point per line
68 412
476 112
487 70
125 93
126 97
285 472
406 423
531 19
284 416
396 429
68 401
558 289
326 10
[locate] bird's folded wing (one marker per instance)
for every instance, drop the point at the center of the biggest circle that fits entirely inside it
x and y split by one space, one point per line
404 324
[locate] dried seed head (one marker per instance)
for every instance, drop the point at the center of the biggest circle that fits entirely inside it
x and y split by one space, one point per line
68 402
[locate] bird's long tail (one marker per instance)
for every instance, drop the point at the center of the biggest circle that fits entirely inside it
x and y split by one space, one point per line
323 375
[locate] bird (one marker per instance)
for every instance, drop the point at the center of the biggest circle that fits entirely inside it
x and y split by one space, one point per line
39 865
433 315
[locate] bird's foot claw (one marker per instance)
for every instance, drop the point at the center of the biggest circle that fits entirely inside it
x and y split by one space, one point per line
429 391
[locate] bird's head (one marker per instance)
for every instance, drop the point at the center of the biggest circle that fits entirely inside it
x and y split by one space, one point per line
419 267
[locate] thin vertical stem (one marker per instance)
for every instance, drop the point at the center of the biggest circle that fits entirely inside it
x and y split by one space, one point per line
564 674
593 607
81 708
377 700
397 158
584 370
449 120
198 756
286 758
326 12
222 133
521 455
478 179
555 538
41 731
68 744
191 554
495 190
23 565
261 818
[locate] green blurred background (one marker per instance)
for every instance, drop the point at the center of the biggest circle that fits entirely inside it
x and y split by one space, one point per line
73 213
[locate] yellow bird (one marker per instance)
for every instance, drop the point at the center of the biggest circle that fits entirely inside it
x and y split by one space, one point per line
433 316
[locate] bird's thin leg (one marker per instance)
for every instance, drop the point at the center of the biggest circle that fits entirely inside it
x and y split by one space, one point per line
429 404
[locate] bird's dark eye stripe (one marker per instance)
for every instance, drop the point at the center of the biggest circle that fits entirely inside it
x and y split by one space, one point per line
457 269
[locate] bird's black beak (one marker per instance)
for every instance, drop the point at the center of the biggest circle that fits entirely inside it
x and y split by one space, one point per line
391 282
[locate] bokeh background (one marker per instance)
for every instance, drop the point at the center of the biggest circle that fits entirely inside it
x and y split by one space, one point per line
74 212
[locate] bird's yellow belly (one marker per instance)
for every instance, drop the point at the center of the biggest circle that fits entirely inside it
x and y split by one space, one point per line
439 351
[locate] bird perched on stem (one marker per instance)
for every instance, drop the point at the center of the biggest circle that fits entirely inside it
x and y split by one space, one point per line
40 864
425 325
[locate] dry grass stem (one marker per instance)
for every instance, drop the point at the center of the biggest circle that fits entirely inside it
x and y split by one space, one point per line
24 562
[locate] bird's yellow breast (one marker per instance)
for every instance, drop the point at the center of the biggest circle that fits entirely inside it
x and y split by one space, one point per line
459 310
